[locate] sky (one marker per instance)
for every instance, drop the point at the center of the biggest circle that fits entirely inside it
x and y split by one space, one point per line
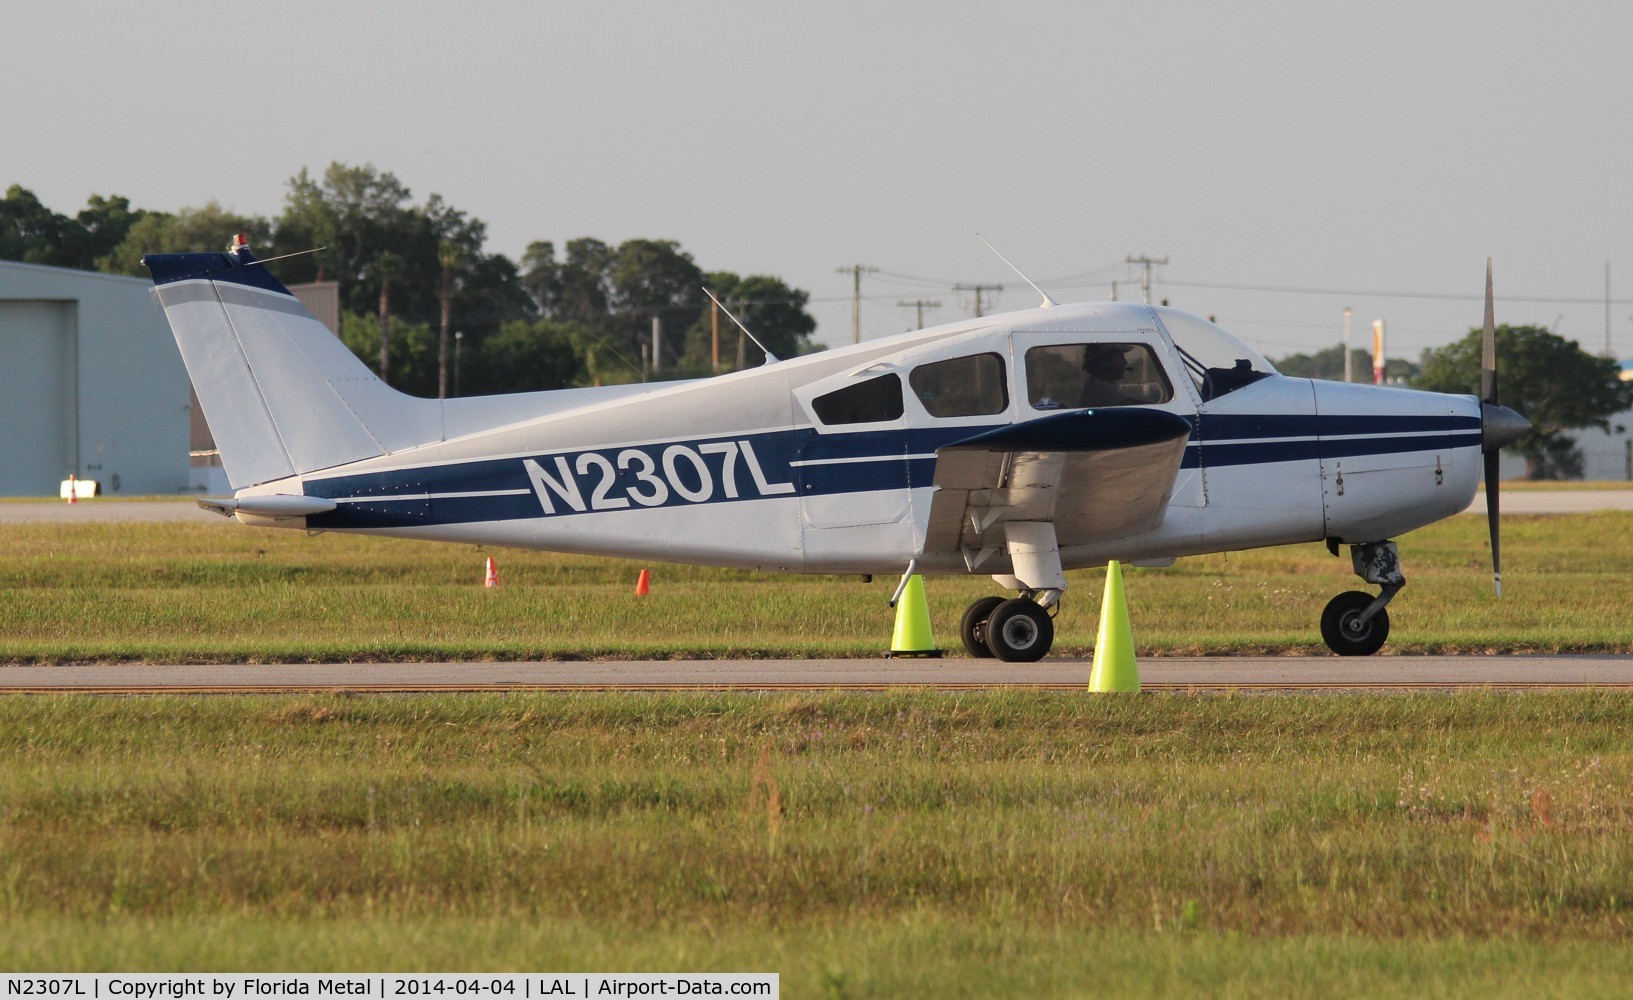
1287 159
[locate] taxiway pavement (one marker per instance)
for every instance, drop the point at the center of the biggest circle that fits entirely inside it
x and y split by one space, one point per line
1156 673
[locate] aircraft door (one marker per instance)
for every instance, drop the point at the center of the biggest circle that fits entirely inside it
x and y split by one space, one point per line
852 466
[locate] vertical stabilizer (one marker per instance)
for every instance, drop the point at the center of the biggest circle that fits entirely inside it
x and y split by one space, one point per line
281 393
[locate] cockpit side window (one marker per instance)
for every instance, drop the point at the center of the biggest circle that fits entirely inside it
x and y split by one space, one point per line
962 387
1070 376
877 399
1218 362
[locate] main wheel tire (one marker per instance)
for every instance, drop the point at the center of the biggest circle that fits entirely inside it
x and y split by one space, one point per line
1343 630
973 628
1019 631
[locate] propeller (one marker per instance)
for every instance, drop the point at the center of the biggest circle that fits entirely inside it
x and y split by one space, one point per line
1499 426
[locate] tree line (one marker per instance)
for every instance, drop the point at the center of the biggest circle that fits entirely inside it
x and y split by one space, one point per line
413 275
424 305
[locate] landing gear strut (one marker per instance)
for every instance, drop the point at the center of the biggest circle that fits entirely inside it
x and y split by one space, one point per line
1355 623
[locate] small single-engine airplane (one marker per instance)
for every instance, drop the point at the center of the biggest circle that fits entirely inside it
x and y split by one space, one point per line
1018 445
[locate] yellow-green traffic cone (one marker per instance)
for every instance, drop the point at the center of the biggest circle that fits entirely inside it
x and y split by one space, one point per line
913 636
1114 666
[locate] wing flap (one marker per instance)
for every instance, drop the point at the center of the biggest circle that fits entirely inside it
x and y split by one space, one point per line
1098 475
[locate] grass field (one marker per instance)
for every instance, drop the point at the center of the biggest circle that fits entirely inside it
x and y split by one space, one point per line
221 592
863 846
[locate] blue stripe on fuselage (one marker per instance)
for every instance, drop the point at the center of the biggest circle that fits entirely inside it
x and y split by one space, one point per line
799 462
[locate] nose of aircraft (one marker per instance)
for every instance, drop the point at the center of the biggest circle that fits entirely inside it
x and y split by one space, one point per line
1500 426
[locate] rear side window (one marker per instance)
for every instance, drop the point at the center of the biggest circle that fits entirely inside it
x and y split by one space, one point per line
962 387
863 403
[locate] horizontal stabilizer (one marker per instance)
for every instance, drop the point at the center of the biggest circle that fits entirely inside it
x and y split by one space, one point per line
276 506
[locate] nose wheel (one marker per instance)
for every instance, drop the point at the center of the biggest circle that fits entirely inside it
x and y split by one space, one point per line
1347 630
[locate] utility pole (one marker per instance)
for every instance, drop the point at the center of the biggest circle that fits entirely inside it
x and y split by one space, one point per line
919 304
1607 311
459 341
1349 365
714 333
742 359
856 271
1145 280
657 341
977 289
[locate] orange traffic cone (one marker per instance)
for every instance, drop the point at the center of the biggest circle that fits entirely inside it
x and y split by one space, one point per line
492 579
73 488
643 584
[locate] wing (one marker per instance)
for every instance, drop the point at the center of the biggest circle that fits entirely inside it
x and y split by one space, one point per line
1098 475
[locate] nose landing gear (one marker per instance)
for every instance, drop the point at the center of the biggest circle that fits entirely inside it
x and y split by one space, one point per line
1355 623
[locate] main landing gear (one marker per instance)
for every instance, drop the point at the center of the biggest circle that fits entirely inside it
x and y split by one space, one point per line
1022 629
1019 630
1355 623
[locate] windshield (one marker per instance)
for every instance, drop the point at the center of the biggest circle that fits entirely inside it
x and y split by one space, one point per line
1217 360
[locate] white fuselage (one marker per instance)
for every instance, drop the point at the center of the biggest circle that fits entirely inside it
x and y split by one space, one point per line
745 470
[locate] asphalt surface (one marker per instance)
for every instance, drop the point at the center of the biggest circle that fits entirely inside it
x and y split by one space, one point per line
107 512
1156 673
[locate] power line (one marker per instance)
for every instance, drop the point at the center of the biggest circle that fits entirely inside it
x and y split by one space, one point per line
977 289
1378 294
919 304
856 271
1146 263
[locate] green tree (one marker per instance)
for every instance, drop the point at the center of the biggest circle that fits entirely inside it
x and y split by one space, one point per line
525 356
209 228
29 231
359 213
459 244
654 279
773 311
1327 364
411 348
103 225
34 234
1551 380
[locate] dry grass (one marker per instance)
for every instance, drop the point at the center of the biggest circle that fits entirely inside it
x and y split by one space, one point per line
214 593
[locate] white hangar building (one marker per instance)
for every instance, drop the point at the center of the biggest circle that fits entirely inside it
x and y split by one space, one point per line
91 383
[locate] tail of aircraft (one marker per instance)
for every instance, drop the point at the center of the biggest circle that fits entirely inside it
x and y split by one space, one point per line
282 395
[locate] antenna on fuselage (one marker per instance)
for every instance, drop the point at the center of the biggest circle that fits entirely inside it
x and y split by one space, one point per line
1048 303
769 357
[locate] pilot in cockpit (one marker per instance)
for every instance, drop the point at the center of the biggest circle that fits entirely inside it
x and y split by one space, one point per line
1104 366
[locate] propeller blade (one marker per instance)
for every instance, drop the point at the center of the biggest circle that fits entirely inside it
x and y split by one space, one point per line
1493 458
1488 347
1499 426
